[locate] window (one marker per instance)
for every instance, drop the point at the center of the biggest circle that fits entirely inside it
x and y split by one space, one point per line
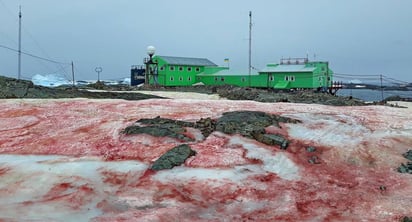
197 69
190 78
171 68
162 68
271 78
222 79
171 78
292 78
180 78
286 78
243 79
180 68
189 69
216 79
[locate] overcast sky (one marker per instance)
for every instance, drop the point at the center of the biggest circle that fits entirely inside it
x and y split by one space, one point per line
359 37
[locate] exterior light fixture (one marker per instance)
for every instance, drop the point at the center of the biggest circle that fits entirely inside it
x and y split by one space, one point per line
151 66
151 51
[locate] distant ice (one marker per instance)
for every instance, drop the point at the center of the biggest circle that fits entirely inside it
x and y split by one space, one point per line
54 80
50 80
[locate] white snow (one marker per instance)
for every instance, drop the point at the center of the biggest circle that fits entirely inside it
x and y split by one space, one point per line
277 163
32 176
327 130
235 174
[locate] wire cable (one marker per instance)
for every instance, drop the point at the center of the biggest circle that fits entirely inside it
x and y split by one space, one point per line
34 56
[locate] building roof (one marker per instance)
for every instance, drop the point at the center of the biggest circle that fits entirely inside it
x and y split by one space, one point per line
226 72
172 60
288 68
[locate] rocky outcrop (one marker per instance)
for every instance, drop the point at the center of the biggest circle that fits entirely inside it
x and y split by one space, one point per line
306 96
13 88
250 124
161 127
174 157
406 167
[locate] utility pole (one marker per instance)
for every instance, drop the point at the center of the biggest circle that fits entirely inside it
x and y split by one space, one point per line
381 88
250 45
73 73
19 56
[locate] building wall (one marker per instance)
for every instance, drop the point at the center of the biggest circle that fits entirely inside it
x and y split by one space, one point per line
323 75
175 75
184 75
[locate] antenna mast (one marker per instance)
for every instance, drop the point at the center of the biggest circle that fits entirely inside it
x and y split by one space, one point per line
19 59
250 44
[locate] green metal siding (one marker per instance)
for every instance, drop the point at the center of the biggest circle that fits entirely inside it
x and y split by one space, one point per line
285 76
175 75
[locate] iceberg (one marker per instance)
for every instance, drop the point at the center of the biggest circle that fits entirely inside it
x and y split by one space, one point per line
50 80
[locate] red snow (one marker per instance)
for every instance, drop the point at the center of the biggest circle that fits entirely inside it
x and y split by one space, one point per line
353 181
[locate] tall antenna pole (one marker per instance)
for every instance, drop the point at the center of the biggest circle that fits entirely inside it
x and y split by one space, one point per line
250 44
19 60
381 88
73 73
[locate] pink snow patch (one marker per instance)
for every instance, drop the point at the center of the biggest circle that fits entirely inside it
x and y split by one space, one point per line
68 160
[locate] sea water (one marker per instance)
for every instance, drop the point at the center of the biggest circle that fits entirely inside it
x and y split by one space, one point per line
373 95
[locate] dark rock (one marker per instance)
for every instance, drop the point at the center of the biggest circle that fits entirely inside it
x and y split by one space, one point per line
162 121
252 124
173 157
314 160
405 168
246 123
406 219
161 127
206 126
272 139
249 124
311 149
159 131
14 88
408 155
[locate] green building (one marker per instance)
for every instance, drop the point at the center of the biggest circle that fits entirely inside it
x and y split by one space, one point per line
288 74
179 71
